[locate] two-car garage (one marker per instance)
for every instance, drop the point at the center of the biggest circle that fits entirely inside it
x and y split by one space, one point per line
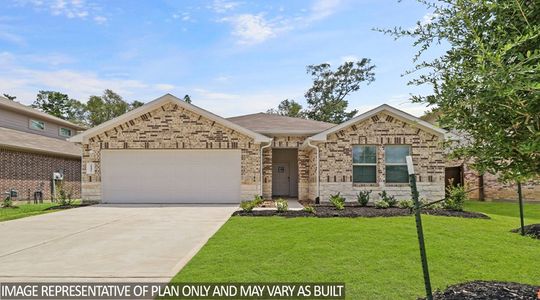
171 176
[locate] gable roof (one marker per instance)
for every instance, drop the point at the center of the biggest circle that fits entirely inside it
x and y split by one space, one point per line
158 103
29 111
19 140
275 124
399 114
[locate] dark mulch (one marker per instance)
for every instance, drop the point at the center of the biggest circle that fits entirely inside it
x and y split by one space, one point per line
66 206
354 211
488 290
532 230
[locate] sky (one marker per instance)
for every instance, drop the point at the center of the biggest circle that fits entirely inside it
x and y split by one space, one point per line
232 57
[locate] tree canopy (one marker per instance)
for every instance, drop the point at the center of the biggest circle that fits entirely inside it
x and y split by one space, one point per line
289 108
9 97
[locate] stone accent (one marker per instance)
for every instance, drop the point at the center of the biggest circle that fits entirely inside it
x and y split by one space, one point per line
381 130
171 127
28 172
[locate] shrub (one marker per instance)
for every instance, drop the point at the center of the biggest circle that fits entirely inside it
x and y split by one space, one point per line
282 205
338 201
310 209
406 203
457 195
381 204
64 198
257 200
7 203
247 206
391 200
363 197
425 203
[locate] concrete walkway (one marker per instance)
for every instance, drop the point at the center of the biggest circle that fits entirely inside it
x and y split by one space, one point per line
107 243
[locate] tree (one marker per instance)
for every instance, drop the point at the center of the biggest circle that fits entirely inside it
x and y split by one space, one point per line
289 108
486 84
77 113
135 104
187 98
53 103
106 107
9 97
326 98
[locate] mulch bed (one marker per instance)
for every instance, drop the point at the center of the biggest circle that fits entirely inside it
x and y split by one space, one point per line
488 290
532 230
66 206
354 211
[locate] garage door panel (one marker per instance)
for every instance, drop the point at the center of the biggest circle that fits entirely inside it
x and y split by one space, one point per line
171 176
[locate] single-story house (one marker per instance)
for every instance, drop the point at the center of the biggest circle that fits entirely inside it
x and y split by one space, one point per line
33 147
170 151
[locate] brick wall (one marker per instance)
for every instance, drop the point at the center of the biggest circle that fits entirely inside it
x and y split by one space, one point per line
27 172
380 130
171 127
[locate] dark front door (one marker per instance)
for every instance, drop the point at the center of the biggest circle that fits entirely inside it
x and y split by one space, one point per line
453 176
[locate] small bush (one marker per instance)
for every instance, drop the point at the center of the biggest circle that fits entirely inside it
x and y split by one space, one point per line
310 209
391 200
257 200
457 195
282 205
381 204
7 203
337 201
247 206
406 203
363 197
64 198
425 204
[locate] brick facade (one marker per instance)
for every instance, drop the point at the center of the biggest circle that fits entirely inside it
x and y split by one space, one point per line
379 130
29 172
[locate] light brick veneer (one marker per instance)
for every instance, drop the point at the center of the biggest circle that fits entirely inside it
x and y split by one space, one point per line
380 130
171 127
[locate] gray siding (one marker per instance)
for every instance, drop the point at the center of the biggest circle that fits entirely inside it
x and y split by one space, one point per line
13 120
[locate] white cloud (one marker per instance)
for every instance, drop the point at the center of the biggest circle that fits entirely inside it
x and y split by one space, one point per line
223 6
348 58
323 8
401 102
72 9
100 19
251 29
428 18
164 86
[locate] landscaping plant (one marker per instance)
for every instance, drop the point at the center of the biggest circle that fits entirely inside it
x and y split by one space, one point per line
457 195
282 205
7 203
247 206
338 201
363 197
391 200
310 209
257 200
408 203
381 204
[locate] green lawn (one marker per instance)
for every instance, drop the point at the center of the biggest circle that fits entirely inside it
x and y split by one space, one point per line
375 257
26 210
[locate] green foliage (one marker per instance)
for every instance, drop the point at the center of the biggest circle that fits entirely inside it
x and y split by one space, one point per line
135 104
310 209
257 200
326 98
187 99
381 204
282 205
7 202
426 204
457 195
408 203
56 104
247 206
391 200
486 85
9 97
289 108
337 201
363 197
106 107
64 198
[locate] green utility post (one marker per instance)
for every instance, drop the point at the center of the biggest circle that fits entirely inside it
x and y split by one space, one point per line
419 229
520 199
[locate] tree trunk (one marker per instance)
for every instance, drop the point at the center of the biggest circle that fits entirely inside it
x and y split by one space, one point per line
520 198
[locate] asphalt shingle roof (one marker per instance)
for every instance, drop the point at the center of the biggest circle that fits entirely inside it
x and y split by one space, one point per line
19 140
275 124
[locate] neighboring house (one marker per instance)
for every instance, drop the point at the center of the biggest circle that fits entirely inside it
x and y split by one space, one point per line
483 186
33 146
169 151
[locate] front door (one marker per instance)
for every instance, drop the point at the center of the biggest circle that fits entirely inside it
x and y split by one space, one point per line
280 179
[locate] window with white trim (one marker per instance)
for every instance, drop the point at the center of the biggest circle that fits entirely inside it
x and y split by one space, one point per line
37 125
65 132
364 164
396 164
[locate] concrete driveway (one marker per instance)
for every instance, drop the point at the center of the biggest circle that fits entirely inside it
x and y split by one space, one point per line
107 242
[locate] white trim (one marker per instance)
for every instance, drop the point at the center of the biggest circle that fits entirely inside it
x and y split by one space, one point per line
322 136
83 137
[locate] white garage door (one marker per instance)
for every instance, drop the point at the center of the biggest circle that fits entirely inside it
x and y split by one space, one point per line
170 176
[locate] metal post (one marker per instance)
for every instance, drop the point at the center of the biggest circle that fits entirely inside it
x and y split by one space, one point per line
520 198
419 228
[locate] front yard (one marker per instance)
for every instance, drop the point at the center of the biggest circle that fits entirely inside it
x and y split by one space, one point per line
375 257
27 210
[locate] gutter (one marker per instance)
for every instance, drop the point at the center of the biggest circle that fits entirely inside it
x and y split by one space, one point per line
262 165
308 143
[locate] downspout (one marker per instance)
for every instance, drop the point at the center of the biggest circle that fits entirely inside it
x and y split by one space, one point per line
262 165
317 169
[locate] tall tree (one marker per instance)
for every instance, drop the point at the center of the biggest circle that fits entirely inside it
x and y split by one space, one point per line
187 98
486 84
106 107
327 97
77 113
289 108
135 104
9 97
53 103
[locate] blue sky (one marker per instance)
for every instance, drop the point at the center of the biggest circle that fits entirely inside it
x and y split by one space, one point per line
232 57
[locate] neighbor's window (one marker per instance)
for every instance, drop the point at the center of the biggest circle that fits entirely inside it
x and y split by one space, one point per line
37 125
396 164
364 164
65 132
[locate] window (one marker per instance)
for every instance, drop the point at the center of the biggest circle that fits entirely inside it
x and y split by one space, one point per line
396 164
364 164
65 132
37 125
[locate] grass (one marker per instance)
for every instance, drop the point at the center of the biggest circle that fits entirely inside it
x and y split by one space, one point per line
376 257
26 210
